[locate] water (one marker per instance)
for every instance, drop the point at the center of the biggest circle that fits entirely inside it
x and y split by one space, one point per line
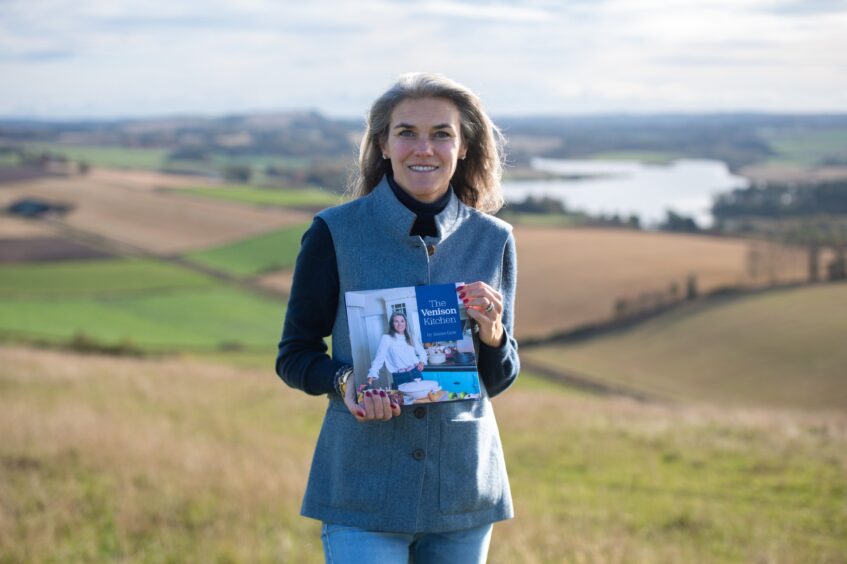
686 186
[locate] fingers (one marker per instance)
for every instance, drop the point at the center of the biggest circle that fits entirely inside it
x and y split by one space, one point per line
377 406
484 305
354 408
481 297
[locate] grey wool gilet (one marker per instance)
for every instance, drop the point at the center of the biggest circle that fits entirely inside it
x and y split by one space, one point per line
431 470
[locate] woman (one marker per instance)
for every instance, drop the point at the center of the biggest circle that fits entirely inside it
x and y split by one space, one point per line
423 481
399 353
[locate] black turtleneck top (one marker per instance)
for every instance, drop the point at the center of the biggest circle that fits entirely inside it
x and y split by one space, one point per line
425 222
313 301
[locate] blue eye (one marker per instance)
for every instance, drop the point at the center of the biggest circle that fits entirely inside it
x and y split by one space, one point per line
406 133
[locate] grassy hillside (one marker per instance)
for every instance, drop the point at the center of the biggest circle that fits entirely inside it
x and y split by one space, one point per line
287 197
175 460
779 348
206 318
150 304
95 277
266 252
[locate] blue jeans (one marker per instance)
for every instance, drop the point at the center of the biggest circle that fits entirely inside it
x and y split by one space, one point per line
404 377
343 545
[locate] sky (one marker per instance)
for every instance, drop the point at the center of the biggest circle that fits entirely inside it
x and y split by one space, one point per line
71 59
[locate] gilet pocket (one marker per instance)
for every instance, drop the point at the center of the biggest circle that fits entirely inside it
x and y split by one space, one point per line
352 462
470 459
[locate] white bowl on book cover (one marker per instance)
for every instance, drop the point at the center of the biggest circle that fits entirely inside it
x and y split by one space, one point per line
417 389
437 358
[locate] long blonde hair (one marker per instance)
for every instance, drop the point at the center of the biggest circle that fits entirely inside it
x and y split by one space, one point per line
476 181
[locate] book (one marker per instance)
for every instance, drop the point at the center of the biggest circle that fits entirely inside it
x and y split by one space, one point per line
414 342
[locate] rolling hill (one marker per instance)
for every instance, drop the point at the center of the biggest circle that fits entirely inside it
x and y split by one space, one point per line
105 459
783 347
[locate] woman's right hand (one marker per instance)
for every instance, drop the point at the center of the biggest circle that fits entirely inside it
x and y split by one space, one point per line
375 406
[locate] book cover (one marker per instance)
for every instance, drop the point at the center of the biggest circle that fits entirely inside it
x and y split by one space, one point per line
414 342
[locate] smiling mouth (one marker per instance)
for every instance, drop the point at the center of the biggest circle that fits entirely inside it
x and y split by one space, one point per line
422 168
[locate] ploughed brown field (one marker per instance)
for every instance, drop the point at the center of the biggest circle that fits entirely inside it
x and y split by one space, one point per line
16 228
122 207
45 249
572 277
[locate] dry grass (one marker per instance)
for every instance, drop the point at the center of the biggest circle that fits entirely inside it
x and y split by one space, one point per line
147 460
122 207
570 277
178 460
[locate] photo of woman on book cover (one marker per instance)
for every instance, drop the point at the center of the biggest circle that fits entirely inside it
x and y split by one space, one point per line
401 354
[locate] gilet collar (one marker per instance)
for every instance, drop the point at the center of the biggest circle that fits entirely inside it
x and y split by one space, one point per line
398 219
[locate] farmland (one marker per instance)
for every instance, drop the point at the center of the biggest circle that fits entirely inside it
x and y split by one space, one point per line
782 348
581 273
187 319
170 459
570 277
143 220
107 156
263 253
96 278
149 304
309 198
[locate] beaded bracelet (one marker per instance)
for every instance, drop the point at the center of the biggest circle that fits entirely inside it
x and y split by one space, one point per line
342 375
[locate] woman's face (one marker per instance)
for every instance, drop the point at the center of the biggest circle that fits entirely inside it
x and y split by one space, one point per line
424 144
399 324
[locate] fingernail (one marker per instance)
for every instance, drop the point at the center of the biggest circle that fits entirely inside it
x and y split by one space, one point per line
368 393
361 413
460 288
464 300
382 393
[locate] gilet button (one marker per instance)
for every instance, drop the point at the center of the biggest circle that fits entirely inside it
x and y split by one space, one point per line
430 250
420 412
419 454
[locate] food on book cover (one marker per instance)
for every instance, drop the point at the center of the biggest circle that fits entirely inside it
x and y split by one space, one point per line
414 342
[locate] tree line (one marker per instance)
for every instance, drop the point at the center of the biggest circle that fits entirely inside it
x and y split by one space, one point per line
782 201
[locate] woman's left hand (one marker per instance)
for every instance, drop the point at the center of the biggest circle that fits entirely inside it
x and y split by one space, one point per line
485 306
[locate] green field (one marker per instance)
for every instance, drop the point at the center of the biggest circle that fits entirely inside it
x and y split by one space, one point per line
167 460
282 197
106 156
779 348
95 278
538 219
267 252
808 147
152 305
174 320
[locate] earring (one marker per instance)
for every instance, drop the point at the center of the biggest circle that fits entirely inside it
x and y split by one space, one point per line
385 157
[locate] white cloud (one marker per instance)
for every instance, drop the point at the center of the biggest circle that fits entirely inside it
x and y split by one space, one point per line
100 57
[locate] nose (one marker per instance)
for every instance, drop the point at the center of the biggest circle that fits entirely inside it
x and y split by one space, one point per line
423 146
